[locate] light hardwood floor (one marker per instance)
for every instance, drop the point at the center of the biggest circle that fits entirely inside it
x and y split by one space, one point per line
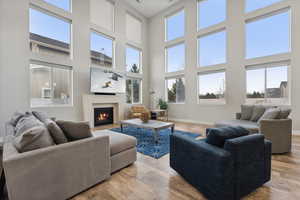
153 179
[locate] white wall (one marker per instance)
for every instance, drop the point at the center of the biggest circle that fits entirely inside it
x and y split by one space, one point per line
15 55
235 67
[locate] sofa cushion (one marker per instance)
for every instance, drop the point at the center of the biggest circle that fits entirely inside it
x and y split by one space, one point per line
271 113
75 130
34 138
246 112
249 125
284 113
218 136
16 117
56 132
118 142
25 123
258 111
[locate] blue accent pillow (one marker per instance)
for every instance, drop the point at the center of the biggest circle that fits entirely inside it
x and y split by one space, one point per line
218 136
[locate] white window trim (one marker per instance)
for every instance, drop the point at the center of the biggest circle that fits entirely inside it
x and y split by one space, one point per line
266 100
211 101
175 12
167 56
166 89
113 47
141 91
140 58
52 65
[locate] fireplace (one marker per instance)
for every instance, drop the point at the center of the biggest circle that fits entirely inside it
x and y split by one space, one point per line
103 116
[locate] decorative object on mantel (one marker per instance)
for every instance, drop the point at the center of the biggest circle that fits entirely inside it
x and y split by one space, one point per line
144 117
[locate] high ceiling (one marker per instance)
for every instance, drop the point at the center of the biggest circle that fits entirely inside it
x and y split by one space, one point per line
149 8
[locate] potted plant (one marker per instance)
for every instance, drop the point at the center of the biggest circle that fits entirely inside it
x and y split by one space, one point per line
163 105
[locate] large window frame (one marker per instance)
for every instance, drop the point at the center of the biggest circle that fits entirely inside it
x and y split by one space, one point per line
266 99
132 90
173 14
167 89
50 91
140 52
53 4
167 57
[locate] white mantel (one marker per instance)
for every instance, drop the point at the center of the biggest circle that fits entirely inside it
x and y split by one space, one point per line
97 101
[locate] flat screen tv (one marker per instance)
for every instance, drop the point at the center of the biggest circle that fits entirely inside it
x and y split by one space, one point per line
106 81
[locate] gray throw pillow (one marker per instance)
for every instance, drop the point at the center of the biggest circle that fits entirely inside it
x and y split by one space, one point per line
271 113
75 130
246 112
25 123
284 113
55 131
16 117
41 116
34 138
258 111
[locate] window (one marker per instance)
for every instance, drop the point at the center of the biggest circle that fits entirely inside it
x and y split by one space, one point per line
211 12
268 36
133 28
102 50
176 90
133 91
212 87
48 34
63 4
268 84
102 13
51 85
212 49
133 60
175 58
175 26
256 4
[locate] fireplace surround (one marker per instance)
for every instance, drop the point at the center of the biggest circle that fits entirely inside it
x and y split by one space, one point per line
103 116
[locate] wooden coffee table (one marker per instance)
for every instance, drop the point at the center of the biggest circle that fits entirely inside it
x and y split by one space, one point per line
151 124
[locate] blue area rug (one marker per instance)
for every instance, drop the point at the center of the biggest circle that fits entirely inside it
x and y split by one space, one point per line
145 140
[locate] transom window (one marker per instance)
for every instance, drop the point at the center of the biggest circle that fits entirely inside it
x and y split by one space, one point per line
268 84
212 87
252 5
175 58
51 84
211 12
134 91
268 36
212 49
133 60
175 26
175 90
63 4
133 28
102 50
49 34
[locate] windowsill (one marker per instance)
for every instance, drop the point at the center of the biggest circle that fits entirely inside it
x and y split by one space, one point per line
176 103
212 102
274 103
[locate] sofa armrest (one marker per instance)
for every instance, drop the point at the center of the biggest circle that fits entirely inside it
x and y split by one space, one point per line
207 167
56 172
238 115
279 131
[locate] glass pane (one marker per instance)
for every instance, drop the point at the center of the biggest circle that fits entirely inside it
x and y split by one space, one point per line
49 34
212 49
128 91
41 93
277 82
256 4
175 26
175 58
102 13
136 85
64 4
62 86
133 29
268 36
256 83
176 90
211 12
101 50
212 86
133 60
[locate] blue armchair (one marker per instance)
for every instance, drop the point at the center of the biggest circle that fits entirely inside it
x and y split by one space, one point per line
231 172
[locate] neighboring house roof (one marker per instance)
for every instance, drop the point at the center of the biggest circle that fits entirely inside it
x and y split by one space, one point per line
46 40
